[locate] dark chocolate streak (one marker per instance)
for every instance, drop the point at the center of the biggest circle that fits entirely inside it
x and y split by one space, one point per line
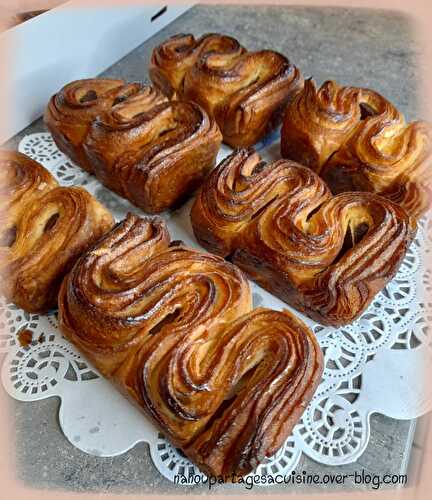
173 328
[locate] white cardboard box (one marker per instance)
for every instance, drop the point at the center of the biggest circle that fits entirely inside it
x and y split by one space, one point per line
71 42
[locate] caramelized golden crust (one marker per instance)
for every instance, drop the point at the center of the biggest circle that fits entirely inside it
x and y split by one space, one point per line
386 155
153 155
318 122
276 364
414 196
48 227
358 141
173 329
148 150
71 111
22 182
325 255
245 91
172 59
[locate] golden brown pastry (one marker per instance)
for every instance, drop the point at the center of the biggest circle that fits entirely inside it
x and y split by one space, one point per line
148 150
414 196
153 155
358 141
245 91
325 255
22 182
71 111
318 122
173 328
385 155
47 228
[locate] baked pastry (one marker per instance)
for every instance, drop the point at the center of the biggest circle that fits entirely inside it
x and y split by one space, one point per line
245 91
148 150
22 182
46 227
325 255
358 141
386 155
71 111
173 328
318 122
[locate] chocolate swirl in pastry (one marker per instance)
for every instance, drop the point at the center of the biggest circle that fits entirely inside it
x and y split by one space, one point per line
153 155
173 58
173 328
318 122
245 91
71 111
358 141
415 196
22 182
48 227
385 155
325 255
148 150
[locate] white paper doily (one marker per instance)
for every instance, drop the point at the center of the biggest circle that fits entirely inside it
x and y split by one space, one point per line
373 365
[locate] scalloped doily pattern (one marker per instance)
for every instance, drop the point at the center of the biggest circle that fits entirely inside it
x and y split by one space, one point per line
391 342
